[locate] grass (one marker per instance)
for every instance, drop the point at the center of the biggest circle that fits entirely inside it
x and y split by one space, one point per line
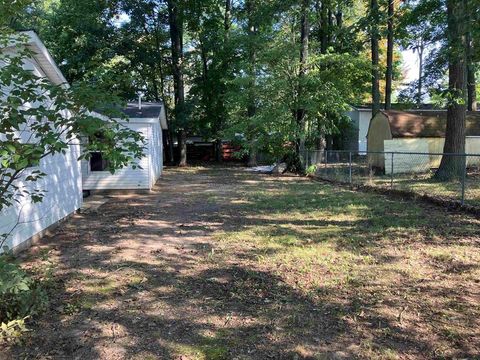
371 257
419 183
255 267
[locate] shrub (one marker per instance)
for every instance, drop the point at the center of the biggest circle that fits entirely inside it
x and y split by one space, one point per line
21 296
312 170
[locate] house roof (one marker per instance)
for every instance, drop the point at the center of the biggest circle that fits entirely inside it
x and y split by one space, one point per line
148 110
44 59
427 123
41 56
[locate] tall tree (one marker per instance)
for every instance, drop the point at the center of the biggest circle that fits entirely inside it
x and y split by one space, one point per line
420 49
471 68
175 16
252 78
300 111
374 39
225 64
390 45
453 166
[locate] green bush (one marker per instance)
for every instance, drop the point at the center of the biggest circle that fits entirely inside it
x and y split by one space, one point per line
21 296
311 170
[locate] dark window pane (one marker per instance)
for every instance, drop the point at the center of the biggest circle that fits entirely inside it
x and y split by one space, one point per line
97 163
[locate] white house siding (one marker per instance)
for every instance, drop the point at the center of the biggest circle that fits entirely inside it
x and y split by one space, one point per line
62 187
123 179
421 163
156 153
63 196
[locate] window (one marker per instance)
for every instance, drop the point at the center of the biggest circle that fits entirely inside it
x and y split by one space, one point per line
97 162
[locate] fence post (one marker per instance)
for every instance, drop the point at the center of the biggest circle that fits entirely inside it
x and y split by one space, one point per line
326 158
391 174
464 178
350 167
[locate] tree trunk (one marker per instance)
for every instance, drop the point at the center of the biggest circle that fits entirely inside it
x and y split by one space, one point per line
176 35
252 76
323 28
472 88
170 153
330 26
227 16
300 111
375 58
389 73
471 81
452 167
339 17
252 155
227 23
420 50
182 146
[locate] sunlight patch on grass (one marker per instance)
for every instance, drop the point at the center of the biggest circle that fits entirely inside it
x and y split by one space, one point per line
208 348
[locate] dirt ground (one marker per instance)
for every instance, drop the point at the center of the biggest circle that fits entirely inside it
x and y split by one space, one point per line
218 263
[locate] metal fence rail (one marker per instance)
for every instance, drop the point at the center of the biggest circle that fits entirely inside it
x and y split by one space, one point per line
411 171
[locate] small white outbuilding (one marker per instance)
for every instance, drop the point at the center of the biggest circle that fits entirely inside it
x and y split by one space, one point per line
66 176
149 119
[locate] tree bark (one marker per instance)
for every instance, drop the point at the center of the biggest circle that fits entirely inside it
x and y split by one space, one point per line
452 167
339 17
374 12
389 72
252 75
227 16
420 49
471 81
227 23
300 112
330 26
323 27
471 88
176 35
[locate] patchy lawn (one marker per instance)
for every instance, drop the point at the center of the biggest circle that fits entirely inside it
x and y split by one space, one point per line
223 264
423 184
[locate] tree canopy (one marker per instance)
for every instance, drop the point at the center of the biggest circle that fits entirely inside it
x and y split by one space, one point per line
275 76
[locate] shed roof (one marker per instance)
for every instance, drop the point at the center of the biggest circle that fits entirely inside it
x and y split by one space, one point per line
427 123
397 106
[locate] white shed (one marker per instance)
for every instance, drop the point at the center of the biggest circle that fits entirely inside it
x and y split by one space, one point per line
25 221
148 119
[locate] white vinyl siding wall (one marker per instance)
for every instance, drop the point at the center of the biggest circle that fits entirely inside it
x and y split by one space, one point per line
63 196
123 179
156 153
62 187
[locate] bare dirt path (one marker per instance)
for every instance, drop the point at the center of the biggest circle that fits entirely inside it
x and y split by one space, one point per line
174 275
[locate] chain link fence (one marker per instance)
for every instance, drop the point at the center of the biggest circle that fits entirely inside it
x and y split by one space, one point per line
407 171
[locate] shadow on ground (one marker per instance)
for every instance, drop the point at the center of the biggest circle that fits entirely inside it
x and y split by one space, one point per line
223 264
